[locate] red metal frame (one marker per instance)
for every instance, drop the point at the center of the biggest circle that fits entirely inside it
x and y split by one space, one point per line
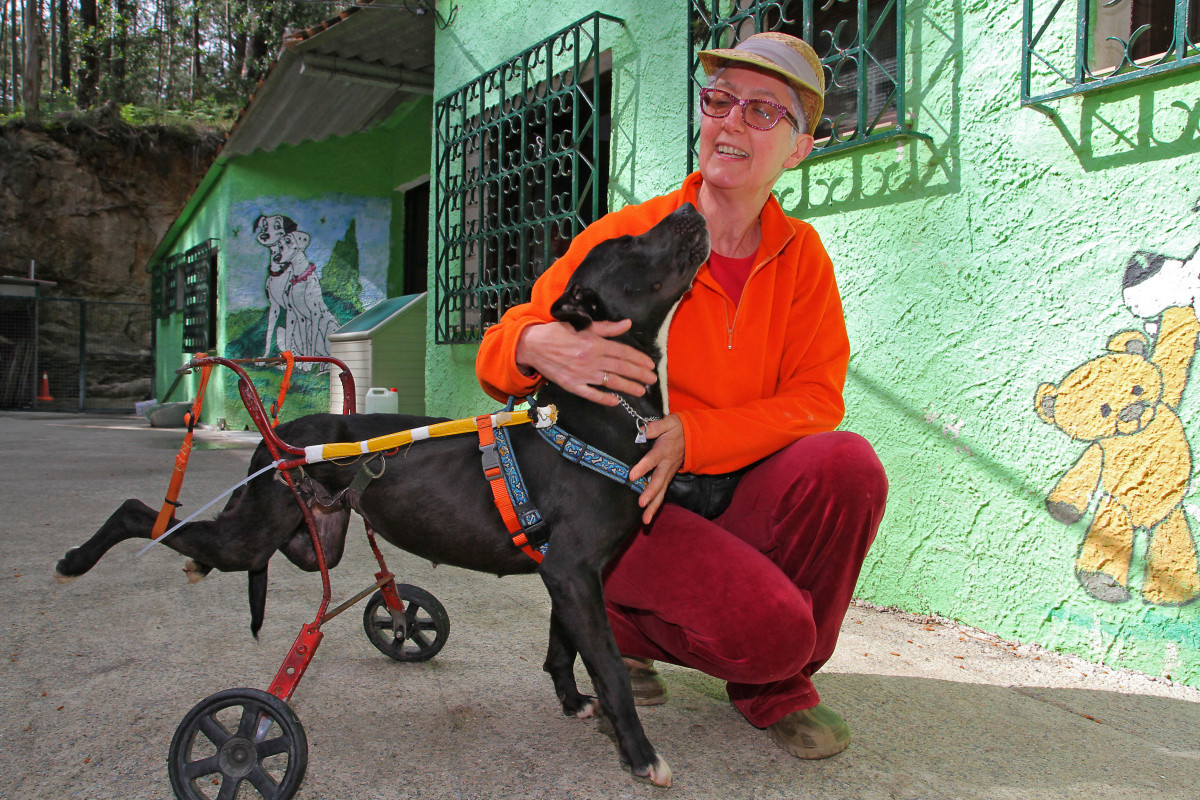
296 662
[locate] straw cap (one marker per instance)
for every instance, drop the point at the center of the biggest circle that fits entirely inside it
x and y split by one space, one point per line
788 57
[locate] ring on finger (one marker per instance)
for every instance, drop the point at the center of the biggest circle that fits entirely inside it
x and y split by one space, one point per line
604 380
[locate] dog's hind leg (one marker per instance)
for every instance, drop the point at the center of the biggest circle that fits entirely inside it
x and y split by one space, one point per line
132 520
256 520
576 595
560 664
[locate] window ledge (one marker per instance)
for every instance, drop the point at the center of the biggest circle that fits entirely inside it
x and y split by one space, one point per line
874 138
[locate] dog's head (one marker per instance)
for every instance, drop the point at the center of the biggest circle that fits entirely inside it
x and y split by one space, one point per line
640 278
270 229
292 247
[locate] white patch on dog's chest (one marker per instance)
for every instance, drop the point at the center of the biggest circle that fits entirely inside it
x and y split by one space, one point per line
661 341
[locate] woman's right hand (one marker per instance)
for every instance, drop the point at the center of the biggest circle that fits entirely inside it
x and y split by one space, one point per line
587 362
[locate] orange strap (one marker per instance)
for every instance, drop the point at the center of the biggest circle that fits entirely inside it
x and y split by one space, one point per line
181 460
495 478
284 385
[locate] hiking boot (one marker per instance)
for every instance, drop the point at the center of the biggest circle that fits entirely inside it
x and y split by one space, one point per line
649 689
816 732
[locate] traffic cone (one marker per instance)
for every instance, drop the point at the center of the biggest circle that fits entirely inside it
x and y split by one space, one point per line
44 392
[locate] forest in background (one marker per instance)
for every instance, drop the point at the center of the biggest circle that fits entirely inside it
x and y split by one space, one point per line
155 60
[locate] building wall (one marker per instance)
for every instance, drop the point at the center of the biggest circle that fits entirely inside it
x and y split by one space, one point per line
982 273
336 200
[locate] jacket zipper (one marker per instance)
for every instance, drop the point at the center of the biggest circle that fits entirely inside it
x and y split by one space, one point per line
736 309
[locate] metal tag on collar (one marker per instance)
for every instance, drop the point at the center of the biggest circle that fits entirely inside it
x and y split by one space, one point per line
641 434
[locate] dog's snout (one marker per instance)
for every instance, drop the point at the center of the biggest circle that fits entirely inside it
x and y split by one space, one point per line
691 232
1132 412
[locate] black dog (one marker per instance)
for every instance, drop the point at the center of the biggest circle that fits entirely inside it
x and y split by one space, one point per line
422 503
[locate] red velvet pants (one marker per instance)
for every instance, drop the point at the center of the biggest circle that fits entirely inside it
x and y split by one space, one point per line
756 596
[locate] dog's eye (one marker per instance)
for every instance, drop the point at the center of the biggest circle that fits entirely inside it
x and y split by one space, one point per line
656 287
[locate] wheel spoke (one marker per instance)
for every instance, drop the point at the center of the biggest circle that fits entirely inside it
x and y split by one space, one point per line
265 784
213 730
383 623
419 639
251 711
272 747
229 788
198 769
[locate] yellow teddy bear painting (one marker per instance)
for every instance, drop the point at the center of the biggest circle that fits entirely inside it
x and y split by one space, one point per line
1137 466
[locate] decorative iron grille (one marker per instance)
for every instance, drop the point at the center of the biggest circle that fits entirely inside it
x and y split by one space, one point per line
188 282
1090 44
521 167
860 43
199 297
164 287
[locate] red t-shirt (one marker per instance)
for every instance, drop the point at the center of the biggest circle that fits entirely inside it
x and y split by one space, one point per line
731 273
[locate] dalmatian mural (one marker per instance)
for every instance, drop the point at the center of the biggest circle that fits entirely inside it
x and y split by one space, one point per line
1137 465
297 317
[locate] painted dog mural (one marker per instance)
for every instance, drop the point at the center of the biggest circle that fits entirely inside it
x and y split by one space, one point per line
1124 405
293 291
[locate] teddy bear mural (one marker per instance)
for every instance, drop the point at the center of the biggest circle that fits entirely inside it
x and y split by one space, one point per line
1124 405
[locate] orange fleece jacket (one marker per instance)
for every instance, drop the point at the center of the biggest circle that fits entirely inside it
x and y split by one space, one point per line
745 380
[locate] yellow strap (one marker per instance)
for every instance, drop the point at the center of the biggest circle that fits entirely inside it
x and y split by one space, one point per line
401 438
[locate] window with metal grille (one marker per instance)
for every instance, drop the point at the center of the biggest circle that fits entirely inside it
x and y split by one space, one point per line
1096 43
200 298
860 43
164 285
188 282
521 160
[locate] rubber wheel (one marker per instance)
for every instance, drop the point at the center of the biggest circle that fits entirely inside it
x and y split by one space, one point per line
427 623
238 739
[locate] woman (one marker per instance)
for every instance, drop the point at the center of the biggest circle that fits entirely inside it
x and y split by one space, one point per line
751 580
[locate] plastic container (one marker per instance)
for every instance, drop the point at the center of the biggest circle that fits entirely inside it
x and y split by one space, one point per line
382 401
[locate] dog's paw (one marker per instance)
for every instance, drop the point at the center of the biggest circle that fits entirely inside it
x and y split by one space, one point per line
658 773
63 573
589 710
196 572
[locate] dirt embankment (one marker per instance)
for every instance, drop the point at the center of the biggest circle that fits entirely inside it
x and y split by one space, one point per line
89 199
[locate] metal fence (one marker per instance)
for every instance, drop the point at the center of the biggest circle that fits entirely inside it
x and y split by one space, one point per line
70 354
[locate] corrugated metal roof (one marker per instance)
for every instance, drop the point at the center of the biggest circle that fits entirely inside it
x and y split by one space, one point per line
341 77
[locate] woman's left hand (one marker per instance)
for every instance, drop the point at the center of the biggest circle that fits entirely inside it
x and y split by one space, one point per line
664 460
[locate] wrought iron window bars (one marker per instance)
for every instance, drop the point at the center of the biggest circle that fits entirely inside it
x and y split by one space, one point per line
860 43
1070 48
520 168
187 282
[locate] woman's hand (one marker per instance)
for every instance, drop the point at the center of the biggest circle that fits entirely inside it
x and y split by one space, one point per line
664 460
587 362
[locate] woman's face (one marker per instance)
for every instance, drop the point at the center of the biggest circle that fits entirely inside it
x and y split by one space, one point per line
734 156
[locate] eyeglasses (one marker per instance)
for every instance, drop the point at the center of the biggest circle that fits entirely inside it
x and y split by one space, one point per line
759 114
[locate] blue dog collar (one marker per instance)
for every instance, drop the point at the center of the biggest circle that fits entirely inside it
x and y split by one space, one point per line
580 452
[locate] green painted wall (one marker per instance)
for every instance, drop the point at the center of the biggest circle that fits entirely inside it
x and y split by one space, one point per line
326 186
974 267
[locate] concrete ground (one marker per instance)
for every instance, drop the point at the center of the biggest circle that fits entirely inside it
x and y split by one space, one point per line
97 674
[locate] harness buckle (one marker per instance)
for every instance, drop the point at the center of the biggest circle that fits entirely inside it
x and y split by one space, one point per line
490 457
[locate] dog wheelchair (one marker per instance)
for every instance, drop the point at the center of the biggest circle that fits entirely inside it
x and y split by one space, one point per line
246 735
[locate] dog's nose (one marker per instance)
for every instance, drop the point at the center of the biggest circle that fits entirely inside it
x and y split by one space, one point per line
1132 412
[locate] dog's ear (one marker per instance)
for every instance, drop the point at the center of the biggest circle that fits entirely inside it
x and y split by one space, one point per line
578 305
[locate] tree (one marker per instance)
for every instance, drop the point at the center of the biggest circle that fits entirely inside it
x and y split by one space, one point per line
64 45
31 84
89 75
